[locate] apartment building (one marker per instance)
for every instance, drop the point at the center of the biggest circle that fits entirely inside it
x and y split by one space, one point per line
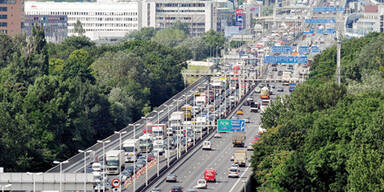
11 16
102 20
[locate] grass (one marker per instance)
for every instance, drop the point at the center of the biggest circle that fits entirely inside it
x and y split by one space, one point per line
194 69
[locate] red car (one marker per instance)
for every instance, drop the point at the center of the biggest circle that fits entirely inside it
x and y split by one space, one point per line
210 175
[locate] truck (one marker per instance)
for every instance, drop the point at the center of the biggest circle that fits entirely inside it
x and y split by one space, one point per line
132 149
158 146
201 101
187 109
114 161
292 87
176 119
159 131
146 143
238 139
286 77
255 107
264 94
240 157
201 123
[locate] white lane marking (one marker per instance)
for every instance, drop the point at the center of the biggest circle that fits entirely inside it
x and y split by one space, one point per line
239 179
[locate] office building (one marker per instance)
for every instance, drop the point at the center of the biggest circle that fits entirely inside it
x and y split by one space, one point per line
103 20
11 16
55 26
201 16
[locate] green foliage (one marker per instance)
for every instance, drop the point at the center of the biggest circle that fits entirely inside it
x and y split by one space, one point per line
58 98
146 33
323 137
78 28
170 37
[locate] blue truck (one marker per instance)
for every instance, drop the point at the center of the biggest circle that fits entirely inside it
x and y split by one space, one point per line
292 87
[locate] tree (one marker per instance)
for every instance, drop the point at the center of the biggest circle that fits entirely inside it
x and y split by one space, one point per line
170 37
78 65
78 28
146 33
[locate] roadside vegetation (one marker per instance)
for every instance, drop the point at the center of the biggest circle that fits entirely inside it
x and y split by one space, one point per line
58 98
326 137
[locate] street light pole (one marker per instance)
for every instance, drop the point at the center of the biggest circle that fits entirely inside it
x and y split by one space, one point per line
85 167
134 161
146 152
120 133
103 142
34 179
61 172
186 118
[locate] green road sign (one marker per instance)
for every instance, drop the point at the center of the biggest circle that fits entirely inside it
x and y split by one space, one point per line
224 126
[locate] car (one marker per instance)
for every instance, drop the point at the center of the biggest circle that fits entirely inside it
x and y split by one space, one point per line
280 89
261 85
233 172
201 184
257 90
274 69
280 73
156 190
239 112
217 135
232 157
246 120
210 175
272 85
96 166
151 157
177 188
250 147
171 178
206 145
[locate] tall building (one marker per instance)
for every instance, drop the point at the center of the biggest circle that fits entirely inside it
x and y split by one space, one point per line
103 20
11 16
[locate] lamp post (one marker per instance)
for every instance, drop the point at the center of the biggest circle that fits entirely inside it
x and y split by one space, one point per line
103 142
146 152
5 187
61 172
194 116
186 118
168 134
85 167
34 179
120 133
134 161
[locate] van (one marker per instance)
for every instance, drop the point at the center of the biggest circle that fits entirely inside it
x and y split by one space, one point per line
206 145
210 175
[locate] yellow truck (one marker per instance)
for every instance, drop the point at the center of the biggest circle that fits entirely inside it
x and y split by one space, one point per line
240 157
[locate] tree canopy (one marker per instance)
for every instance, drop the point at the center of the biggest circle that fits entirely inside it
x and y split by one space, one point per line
58 98
326 137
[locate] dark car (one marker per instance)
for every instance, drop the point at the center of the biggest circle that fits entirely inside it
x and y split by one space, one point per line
177 189
280 73
280 89
274 69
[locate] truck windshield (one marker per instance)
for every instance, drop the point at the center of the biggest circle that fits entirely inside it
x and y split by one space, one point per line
129 149
113 163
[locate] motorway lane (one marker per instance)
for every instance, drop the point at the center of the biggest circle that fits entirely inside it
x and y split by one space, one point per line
193 169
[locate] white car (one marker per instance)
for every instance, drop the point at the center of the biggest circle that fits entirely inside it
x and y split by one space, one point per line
233 172
206 145
257 90
246 120
201 184
217 135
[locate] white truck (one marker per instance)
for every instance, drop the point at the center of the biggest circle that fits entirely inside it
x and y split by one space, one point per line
132 149
201 123
176 120
286 78
201 101
158 146
159 131
146 143
114 161
240 157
